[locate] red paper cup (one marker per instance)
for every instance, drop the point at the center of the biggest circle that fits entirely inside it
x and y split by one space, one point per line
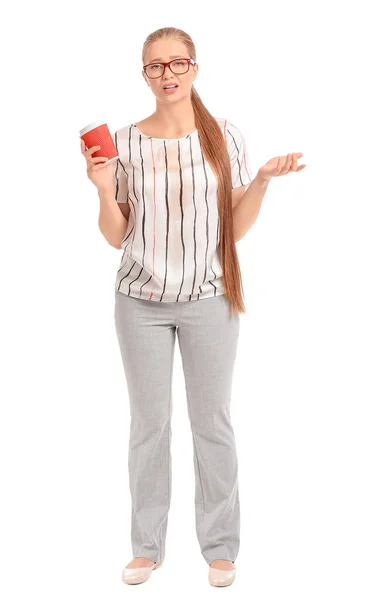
98 134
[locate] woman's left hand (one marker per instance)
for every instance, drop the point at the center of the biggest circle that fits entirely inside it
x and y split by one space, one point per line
281 165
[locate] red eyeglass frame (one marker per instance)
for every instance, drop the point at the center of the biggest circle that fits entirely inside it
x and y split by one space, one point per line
191 61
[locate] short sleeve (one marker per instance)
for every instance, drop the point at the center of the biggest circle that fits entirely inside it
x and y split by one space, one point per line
241 173
120 179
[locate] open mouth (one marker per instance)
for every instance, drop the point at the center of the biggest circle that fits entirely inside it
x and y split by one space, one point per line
170 87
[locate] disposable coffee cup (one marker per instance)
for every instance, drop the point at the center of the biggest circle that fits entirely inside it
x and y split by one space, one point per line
98 134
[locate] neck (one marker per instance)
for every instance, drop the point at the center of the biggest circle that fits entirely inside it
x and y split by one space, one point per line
175 117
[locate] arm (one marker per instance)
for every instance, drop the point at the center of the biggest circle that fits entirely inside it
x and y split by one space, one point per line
112 223
246 209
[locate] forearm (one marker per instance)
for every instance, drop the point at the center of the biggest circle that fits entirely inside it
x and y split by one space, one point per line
246 210
112 223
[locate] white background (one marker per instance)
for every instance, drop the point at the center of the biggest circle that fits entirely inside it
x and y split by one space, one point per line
290 76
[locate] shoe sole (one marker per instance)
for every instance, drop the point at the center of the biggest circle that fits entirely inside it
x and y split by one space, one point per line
221 584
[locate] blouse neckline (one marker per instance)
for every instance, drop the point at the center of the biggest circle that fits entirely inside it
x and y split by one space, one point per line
149 137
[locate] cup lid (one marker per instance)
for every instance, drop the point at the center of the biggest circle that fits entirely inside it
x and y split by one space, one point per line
91 126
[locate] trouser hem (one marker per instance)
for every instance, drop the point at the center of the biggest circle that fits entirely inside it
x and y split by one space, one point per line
150 554
218 555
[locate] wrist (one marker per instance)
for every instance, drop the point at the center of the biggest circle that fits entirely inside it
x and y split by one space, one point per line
262 179
106 191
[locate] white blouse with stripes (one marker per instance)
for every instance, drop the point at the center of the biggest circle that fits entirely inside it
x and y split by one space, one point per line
171 242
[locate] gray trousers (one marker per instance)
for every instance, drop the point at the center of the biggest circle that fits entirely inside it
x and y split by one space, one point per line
207 335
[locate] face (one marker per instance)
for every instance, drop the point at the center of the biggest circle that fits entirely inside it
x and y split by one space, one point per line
164 50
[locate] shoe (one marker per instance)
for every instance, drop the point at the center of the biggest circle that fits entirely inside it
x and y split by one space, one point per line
221 577
139 574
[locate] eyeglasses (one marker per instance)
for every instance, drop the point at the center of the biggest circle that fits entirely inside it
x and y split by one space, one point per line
178 66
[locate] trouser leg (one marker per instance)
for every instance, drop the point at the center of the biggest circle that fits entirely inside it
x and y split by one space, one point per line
146 335
208 339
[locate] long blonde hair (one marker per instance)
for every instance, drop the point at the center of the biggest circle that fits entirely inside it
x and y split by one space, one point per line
215 150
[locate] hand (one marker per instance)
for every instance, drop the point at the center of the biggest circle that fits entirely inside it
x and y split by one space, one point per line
281 165
100 174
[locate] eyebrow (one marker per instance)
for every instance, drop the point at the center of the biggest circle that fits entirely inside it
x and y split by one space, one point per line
171 56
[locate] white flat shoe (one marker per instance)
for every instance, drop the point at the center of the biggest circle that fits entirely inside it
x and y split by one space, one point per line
221 577
139 574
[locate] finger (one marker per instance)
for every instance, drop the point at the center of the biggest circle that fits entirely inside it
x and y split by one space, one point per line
288 166
98 167
92 150
294 162
96 159
83 145
91 163
283 164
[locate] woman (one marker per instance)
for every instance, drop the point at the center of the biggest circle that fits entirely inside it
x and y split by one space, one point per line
180 174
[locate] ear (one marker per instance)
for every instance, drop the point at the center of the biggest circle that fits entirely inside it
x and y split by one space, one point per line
195 67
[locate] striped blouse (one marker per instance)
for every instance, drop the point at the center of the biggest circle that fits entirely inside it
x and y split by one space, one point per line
171 242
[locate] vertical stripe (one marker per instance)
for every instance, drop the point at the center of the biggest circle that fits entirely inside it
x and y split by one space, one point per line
143 201
207 223
195 218
167 222
181 221
154 223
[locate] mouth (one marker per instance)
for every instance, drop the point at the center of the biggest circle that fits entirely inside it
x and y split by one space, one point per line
170 88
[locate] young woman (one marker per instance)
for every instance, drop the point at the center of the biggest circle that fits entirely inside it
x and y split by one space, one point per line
176 202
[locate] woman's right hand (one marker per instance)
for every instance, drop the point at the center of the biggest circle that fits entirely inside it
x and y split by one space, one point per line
101 175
